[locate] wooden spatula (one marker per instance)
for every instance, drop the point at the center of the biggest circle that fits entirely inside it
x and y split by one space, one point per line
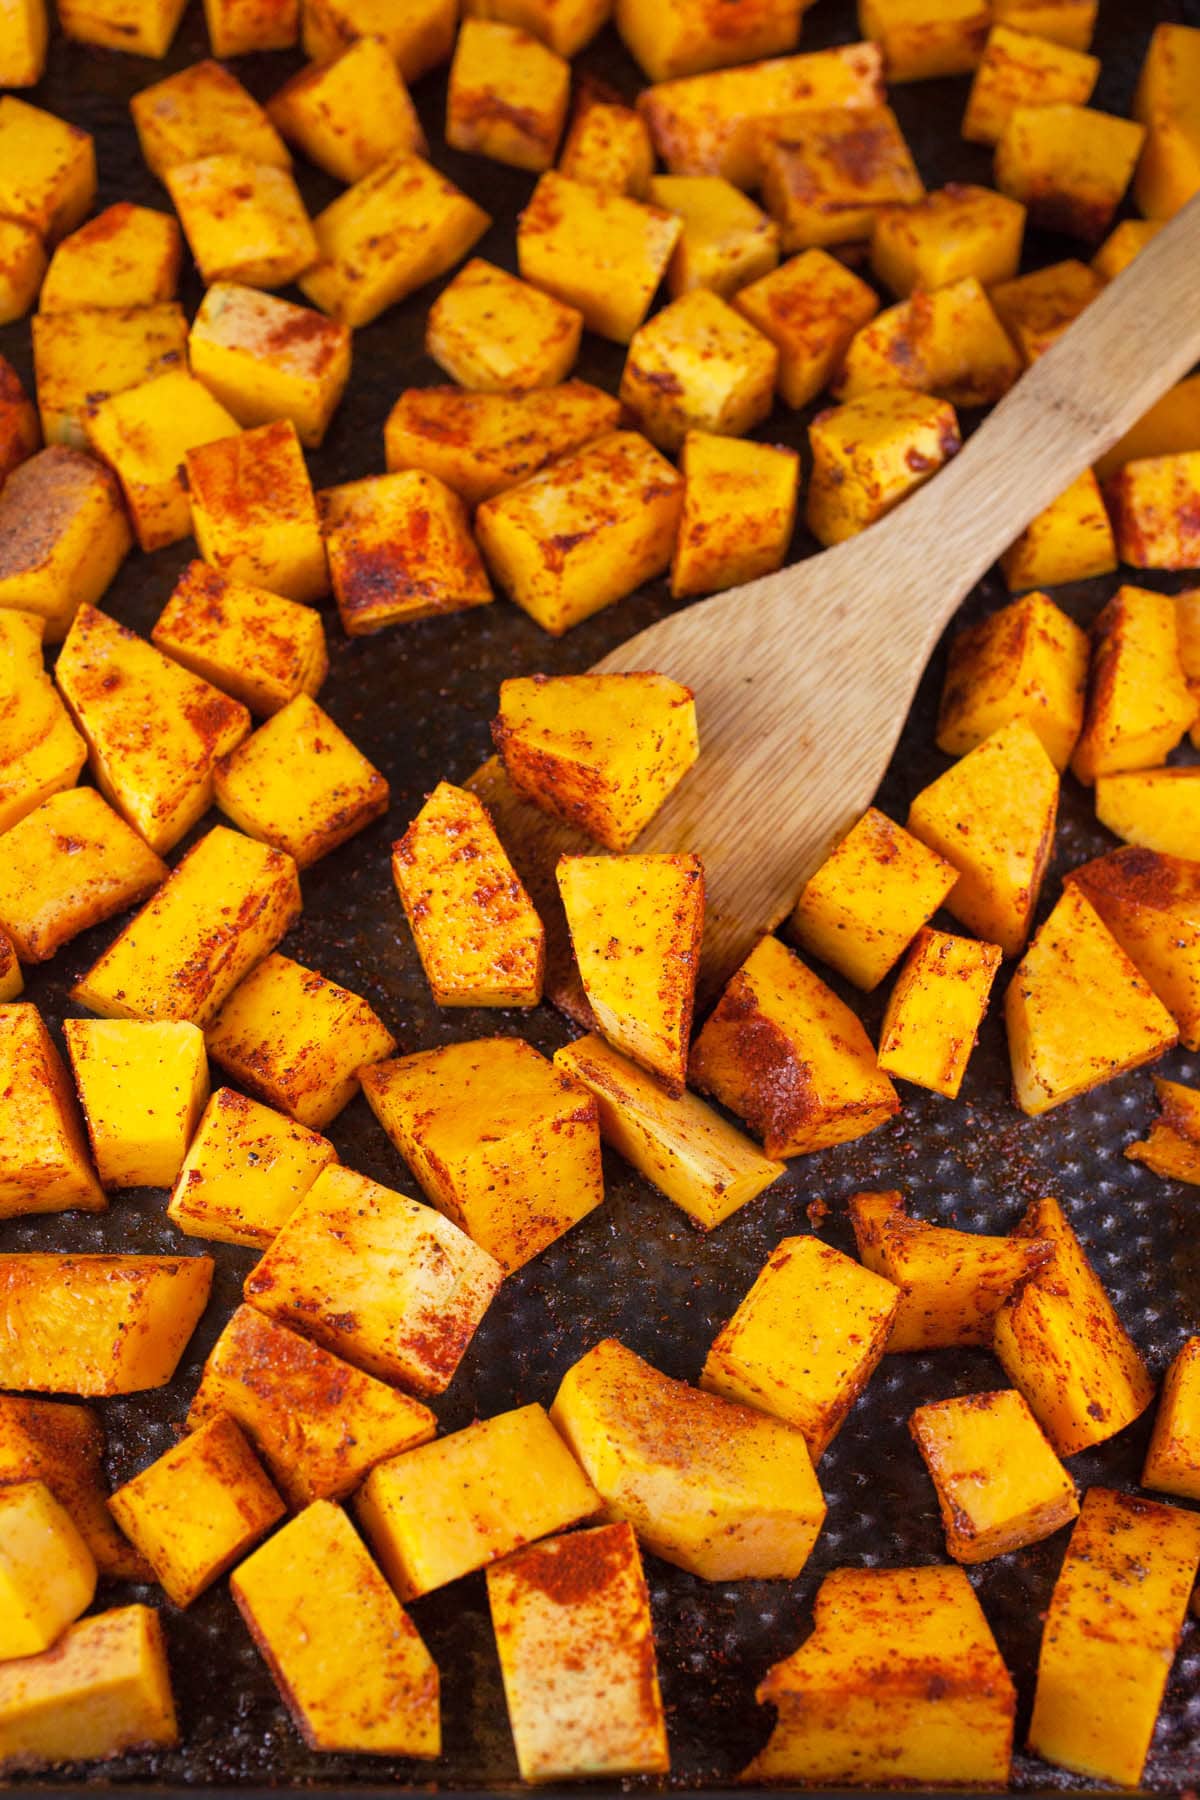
803 679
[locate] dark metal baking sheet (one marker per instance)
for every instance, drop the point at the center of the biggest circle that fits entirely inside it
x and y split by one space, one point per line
417 700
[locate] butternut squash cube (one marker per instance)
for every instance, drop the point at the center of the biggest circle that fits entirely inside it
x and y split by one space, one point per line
1156 809
23 54
480 444
144 434
142 1087
1114 1621
1036 309
144 27
197 1510
501 1141
479 938
200 112
47 1572
246 1170
697 365
565 27
22 265
1173 1459
805 1340
399 548
1069 22
507 95
992 816
491 332
259 647
710 123
20 428
684 1148
1019 68
825 175
952 233
1151 904
300 784
238 27
401 226
40 750
61 1445
1165 102
948 343
370 1274
420 35
869 899
784 1053
810 308
901 1680
1155 505
602 253
244 221
1167 79
1124 243
47 169
348 1661
220 911
1028 661
584 532
82 357
254 514
1072 540
265 359
44 1163
97 1325
999 1484
726 240
1173 1147
1139 703
125 256
869 453
721 1490
935 1010
1069 165
103 1689
608 146
351 114
739 512
924 39
317 1422
1060 1341
675 38
599 752
951 1283
153 730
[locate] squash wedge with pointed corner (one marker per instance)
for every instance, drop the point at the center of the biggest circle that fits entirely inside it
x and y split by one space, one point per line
935 1010
999 1484
1027 661
1156 809
1139 705
1151 904
61 1443
1173 1148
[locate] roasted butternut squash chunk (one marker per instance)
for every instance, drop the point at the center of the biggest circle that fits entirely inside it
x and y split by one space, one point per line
47 169
84 356
47 1572
716 1488
1173 1147
244 221
1072 540
44 1164
1156 809
1069 22
254 515
1173 1459
22 264
142 1086
565 27
608 146
1168 173
351 114
1028 661
420 36
810 308
923 39
348 1661
698 366
1155 502
726 240
901 1680
246 1170
602 253
1060 1341
125 256
948 343
11 980
1069 165
1035 309
1123 243
869 453
40 750
265 359
507 95
370 1274
23 56
739 512
935 1010
1187 614
259 647
318 1423
573 1716
237 27
145 27
999 1484
825 175
1139 704
1115 1618
492 333
144 434
200 112
952 233
399 548
1151 904
677 39
61 1445
438 1512
63 536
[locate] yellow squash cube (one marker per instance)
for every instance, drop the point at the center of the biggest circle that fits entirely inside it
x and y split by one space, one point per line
125 256
602 253
805 1340
419 34
739 512
401 226
1113 1624
608 146
869 453
200 112
254 514
348 1661
1139 703
1060 1341
673 38
721 1490
924 39
869 899
22 265
197 1510
636 923
82 357
810 308
1018 68
900 1681
142 1087
144 27
44 1164
574 1716
1187 607
1123 245
1072 540
1173 1147
297 1040
376 1277
300 784
477 933
265 359
1069 165
111 868
566 25
145 434
400 548
1172 1463
585 532
101 1690
1069 22
1157 809
47 1572
1036 309
952 233
1155 504
318 1423
507 95
948 343
697 365
684 1148
47 169
993 816
259 647
351 114
23 53
1166 103
951 1283
246 1170
935 1010
825 175
491 332
97 1325
40 750
1167 82
441 1511
221 910
726 241
502 1142
999 1484
153 730
1028 661
244 221
1151 904
61 1445
784 1053
237 27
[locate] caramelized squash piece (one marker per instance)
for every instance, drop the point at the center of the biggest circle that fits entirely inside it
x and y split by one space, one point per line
47 1572
40 750
44 1161
1139 704
246 1169
62 1444
1151 904
46 901
935 1010
1028 661
999 1484
1156 809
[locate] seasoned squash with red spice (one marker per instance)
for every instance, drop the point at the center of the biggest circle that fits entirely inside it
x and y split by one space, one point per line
44 1161
697 365
142 1085
1166 102
810 308
144 434
1072 540
199 112
826 175
492 333
1139 704
924 39
1069 165
670 38
63 536
999 1484
125 256
1172 1463
507 96
61 1444
1027 661
351 114
265 359
420 34
608 146
1069 22
259 647
1151 904
238 27
935 1010
954 232
1036 309
1155 505
247 1167
739 512
868 453
566 25
726 240
1157 809
23 56
948 343
22 265
47 169
47 1572
602 253
244 221
399 548
1173 1148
